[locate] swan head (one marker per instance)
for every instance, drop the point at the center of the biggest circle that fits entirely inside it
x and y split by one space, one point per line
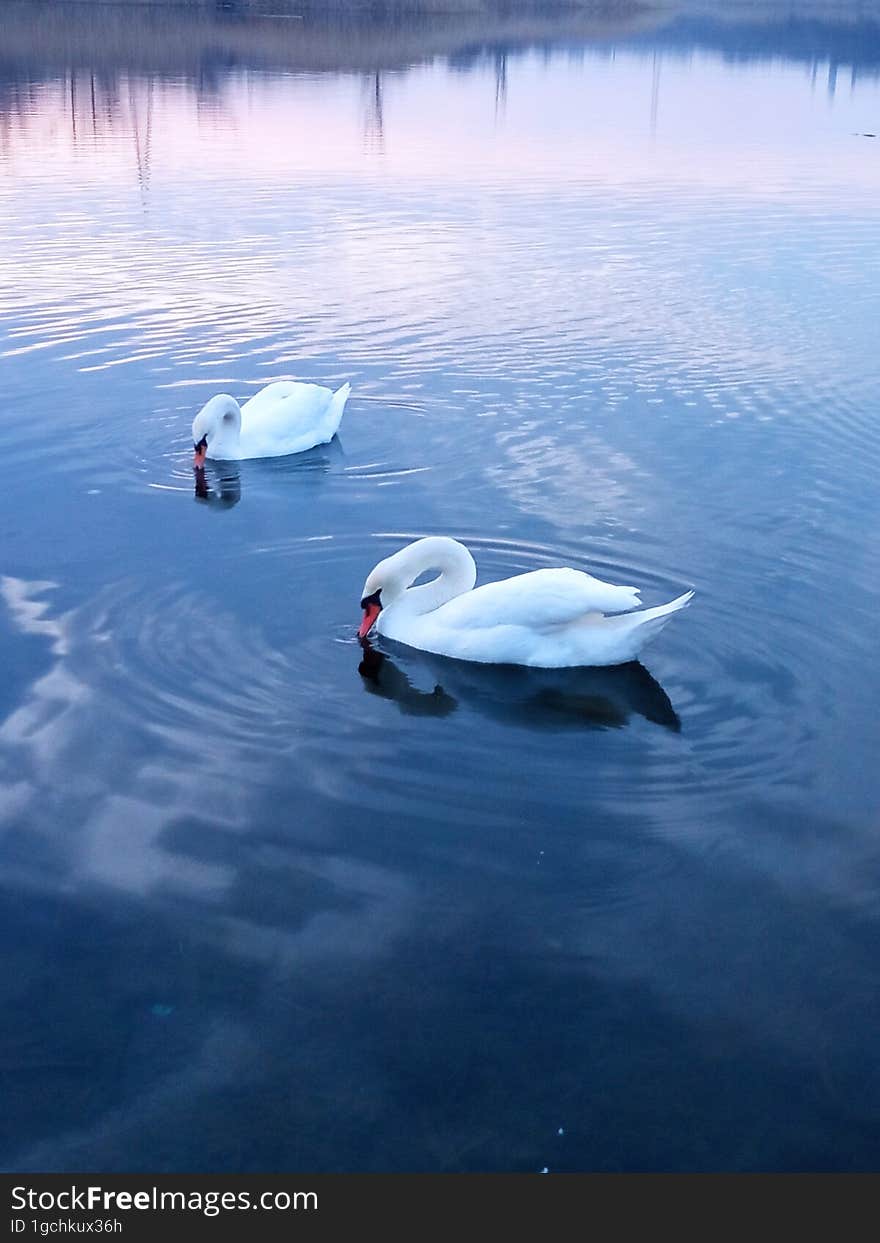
215 428
391 580
386 582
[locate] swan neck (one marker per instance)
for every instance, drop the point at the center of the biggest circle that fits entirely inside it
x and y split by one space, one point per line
457 574
227 428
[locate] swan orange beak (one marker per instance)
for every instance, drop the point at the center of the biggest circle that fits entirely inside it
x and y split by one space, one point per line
200 452
371 612
372 606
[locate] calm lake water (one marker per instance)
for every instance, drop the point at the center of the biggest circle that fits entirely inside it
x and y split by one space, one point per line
607 297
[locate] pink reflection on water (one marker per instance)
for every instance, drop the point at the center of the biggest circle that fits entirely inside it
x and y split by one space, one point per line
635 119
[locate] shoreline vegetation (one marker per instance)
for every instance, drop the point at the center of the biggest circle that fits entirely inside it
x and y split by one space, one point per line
172 38
186 38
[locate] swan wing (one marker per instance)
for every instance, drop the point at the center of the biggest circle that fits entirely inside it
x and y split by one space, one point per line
284 397
590 639
538 600
288 417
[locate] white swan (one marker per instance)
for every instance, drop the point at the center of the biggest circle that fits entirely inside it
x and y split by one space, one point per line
284 417
548 619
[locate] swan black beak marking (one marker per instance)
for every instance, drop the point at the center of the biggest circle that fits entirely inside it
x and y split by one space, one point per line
200 452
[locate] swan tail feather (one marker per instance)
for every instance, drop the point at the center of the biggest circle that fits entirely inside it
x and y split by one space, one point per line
336 408
649 622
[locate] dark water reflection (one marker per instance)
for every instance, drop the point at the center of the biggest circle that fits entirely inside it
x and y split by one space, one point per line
382 677
218 485
541 698
606 292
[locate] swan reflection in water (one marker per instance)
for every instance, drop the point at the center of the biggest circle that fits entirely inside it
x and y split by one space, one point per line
598 698
383 678
218 483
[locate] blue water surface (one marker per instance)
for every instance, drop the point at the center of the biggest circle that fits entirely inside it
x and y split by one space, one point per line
607 296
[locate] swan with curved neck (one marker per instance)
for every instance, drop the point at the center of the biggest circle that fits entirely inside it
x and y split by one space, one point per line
282 418
552 618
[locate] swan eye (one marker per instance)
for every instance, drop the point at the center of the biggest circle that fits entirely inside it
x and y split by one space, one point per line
203 444
373 599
